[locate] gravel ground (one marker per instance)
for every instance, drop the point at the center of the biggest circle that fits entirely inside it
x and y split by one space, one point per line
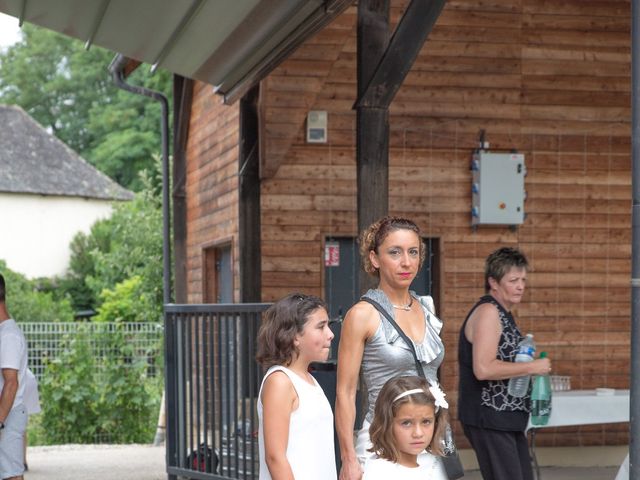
96 462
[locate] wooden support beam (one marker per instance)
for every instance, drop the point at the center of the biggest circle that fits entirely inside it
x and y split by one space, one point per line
382 66
405 45
250 264
372 124
182 99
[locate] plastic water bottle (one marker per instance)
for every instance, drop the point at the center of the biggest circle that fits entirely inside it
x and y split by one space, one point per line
541 398
518 386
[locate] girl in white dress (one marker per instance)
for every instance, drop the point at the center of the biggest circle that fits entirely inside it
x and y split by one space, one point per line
295 420
407 432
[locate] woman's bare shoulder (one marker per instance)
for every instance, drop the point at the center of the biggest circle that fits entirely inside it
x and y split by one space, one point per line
484 318
485 309
362 317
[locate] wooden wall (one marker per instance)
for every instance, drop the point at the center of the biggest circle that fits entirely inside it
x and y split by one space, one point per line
212 184
548 78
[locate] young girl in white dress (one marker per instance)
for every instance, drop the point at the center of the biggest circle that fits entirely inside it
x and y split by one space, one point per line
407 431
295 420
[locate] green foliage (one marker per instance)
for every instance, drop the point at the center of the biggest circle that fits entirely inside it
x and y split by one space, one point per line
115 269
69 395
127 302
28 304
129 406
120 404
82 265
125 246
35 432
135 249
126 407
70 91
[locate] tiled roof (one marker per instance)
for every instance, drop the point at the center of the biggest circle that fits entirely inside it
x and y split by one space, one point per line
34 161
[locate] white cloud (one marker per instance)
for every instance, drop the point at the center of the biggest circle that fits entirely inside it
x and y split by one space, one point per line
9 30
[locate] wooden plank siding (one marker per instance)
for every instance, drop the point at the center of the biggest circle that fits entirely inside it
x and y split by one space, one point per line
212 184
547 78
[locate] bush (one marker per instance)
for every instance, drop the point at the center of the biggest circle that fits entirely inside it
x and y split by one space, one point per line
124 246
127 302
136 250
127 409
120 405
69 395
26 303
82 266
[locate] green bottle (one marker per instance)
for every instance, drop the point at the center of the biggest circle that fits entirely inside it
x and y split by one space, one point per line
541 398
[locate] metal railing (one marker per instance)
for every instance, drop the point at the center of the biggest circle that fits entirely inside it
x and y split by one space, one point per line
212 384
47 340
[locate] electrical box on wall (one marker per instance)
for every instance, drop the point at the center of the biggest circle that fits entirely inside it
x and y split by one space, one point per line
497 188
317 126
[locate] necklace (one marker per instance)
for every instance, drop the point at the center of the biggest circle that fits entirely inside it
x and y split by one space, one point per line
406 307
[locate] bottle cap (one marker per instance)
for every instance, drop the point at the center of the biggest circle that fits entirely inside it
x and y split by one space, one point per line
543 354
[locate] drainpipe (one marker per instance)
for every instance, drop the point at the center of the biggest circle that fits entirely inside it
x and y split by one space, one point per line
117 72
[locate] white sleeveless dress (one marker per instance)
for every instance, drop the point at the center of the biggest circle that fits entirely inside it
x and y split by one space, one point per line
310 449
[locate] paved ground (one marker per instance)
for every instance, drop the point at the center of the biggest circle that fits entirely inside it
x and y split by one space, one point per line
565 473
143 462
96 462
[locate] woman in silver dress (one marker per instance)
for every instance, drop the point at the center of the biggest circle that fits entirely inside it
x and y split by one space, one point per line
370 347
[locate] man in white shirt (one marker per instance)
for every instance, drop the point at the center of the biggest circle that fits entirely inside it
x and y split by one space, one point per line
13 414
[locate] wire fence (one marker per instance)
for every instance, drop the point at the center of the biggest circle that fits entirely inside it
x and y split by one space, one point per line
46 341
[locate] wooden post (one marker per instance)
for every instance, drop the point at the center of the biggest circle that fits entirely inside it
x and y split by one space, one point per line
383 64
372 124
182 96
249 198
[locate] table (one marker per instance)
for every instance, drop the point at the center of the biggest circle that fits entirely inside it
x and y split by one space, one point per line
582 407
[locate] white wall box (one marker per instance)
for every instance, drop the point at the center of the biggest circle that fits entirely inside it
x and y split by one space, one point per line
497 188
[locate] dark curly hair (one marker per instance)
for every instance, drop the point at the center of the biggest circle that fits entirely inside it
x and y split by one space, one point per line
280 324
375 234
499 262
386 409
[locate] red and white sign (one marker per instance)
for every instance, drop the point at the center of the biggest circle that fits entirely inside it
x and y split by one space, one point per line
332 254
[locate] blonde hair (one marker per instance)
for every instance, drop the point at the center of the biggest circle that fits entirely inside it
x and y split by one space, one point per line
377 232
387 407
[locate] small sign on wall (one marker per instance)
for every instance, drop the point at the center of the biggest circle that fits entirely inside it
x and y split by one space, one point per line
332 254
317 126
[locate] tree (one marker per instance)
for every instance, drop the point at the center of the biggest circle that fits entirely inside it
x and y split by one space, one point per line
82 265
28 304
69 91
121 255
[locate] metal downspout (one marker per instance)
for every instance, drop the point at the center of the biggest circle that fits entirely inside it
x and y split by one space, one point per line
634 433
116 68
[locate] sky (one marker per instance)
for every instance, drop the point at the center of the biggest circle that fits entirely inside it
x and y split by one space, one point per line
9 30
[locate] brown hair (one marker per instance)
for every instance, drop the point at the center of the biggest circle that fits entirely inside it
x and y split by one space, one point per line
375 234
499 262
386 409
280 324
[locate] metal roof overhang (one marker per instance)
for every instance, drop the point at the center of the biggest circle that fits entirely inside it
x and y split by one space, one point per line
230 44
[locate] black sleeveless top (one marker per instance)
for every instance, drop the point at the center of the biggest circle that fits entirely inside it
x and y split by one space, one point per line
486 403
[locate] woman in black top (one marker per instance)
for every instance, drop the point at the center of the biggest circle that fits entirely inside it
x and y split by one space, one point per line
494 421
